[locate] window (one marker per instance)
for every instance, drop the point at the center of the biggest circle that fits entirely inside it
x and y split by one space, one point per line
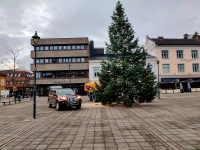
70 60
22 82
78 60
46 47
181 68
8 75
69 47
60 47
46 61
80 73
2 82
55 47
165 68
51 47
61 74
16 75
72 74
73 59
11 75
73 47
64 60
60 60
95 70
194 53
82 47
10 82
82 59
67 60
41 48
38 74
41 60
19 75
50 60
78 47
179 53
37 61
195 67
50 75
7 82
165 54
54 60
37 48
43 75
64 47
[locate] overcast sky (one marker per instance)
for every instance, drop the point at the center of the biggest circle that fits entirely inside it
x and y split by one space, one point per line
19 19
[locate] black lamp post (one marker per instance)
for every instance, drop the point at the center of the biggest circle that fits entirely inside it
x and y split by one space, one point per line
69 73
35 40
158 79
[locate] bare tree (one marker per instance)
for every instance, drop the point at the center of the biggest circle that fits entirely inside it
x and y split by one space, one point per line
12 61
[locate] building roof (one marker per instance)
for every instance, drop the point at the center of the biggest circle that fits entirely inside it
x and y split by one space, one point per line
148 56
175 41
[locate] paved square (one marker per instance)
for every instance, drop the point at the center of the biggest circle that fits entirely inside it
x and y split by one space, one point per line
172 122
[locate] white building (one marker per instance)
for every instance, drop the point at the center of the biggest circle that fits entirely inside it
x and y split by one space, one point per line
95 66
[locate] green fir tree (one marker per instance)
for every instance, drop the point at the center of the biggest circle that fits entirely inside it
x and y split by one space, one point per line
121 77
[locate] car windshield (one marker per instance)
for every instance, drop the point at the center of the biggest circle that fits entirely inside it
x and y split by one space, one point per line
65 92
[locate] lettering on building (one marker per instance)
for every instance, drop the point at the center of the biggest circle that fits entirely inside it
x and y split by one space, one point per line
188 60
60 81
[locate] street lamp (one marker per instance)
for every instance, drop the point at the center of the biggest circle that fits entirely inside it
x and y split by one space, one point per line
69 73
35 40
158 79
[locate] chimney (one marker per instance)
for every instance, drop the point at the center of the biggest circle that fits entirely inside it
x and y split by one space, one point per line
185 36
160 37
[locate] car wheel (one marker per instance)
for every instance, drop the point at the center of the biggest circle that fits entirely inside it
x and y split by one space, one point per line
78 106
57 106
49 104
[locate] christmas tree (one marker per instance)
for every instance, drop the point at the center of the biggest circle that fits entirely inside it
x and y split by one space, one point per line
122 76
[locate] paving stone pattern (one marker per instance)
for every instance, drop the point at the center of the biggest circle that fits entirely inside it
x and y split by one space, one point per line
172 122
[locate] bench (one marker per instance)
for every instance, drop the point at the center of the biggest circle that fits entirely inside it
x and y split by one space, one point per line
17 100
7 102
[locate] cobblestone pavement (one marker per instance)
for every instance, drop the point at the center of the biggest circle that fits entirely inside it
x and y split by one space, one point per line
172 122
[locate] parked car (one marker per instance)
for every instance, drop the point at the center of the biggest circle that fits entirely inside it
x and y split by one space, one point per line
63 97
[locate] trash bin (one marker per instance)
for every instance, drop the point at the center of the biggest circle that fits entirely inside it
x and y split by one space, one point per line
18 97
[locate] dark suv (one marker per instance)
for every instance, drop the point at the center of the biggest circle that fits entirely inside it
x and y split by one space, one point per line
63 98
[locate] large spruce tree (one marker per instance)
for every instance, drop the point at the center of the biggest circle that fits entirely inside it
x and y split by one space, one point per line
124 77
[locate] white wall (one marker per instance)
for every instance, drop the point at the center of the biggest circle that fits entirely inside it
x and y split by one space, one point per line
96 63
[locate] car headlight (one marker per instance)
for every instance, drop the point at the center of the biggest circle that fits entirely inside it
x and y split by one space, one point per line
79 97
63 98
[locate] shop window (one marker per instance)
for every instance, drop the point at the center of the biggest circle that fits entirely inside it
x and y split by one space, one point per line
61 74
80 73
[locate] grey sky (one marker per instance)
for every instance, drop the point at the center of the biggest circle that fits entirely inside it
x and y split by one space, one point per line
19 19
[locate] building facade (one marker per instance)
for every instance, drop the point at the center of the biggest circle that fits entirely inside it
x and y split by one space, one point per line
3 81
61 61
179 58
22 80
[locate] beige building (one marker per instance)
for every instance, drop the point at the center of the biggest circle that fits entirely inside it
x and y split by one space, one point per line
53 59
179 59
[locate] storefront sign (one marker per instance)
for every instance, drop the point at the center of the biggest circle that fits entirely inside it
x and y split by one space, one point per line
60 81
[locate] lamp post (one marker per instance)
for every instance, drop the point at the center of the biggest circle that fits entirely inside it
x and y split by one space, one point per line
69 73
35 40
158 79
